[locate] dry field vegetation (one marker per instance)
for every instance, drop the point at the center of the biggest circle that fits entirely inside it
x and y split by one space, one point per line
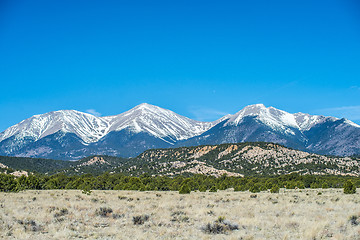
290 214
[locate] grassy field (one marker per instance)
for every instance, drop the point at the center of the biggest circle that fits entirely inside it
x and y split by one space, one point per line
291 214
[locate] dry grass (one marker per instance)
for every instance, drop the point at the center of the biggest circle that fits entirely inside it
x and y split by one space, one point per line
292 214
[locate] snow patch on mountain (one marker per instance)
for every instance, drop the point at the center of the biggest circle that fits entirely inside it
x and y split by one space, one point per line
352 123
86 126
275 118
306 121
158 122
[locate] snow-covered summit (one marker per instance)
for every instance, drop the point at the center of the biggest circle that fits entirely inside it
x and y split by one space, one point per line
86 126
275 118
278 119
158 122
145 117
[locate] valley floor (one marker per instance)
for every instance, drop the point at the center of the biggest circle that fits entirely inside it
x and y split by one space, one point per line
69 214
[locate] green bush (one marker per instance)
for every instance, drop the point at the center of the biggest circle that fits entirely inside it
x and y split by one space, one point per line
275 189
300 185
184 189
202 188
255 188
213 189
349 187
290 185
315 185
269 184
86 189
238 188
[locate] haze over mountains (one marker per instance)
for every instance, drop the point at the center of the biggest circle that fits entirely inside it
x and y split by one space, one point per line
69 134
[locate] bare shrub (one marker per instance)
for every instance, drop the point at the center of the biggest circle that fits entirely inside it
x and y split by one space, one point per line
103 211
354 220
253 196
139 220
30 225
116 215
220 226
61 212
179 216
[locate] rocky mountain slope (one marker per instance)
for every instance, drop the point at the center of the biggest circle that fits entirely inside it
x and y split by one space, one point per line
254 123
242 159
71 135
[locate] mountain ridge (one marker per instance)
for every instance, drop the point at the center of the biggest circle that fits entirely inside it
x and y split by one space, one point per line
74 135
240 159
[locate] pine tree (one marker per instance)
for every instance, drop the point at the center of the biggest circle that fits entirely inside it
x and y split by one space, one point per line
349 187
255 188
184 189
275 189
213 189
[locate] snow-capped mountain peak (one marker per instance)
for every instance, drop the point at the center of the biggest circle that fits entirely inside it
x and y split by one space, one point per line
278 119
147 126
86 126
154 120
146 106
158 122
275 118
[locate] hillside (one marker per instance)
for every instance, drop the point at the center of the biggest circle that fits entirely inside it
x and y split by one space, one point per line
39 165
241 159
238 160
93 164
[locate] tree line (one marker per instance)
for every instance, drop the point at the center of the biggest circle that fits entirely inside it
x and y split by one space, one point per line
146 182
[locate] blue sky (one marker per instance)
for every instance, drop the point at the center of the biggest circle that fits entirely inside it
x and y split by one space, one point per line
201 59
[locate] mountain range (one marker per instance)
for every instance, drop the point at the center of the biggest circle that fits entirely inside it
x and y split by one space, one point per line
71 135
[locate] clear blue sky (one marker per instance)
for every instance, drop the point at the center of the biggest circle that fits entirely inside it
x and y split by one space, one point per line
201 59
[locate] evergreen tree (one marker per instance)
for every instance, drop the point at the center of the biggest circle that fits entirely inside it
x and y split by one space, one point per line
325 185
185 189
275 189
213 189
349 187
255 188
202 188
